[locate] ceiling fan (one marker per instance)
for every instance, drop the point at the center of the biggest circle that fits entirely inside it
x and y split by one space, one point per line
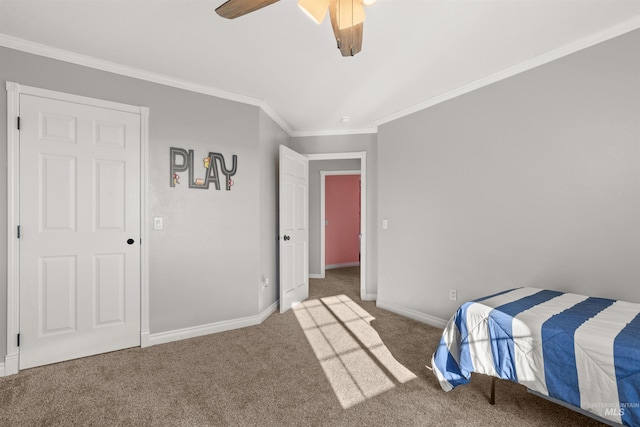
347 17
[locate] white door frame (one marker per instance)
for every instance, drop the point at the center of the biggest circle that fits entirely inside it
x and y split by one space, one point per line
11 360
362 155
323 227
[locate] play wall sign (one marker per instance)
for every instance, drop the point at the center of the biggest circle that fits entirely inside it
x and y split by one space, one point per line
202 173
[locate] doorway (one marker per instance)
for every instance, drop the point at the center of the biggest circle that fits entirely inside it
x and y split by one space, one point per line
362 157
339 219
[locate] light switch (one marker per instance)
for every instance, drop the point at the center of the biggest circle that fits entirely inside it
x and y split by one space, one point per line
157 223
385 224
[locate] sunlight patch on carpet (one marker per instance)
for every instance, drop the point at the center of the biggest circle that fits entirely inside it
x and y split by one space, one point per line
355 360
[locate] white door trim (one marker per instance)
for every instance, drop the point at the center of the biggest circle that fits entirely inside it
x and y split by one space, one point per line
323 175
362 155
11 360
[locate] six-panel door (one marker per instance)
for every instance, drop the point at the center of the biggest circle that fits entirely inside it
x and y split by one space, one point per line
79 206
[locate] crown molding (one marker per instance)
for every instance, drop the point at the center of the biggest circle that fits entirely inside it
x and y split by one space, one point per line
596 38
112 67
88 61
276 118
297 134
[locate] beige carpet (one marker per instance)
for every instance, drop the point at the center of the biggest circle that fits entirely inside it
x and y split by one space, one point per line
270 375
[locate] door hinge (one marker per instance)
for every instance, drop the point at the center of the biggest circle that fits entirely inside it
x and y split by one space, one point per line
18 122
18 340
18 232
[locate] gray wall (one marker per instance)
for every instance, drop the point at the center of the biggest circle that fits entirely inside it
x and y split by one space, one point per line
343 144
531 181
206 265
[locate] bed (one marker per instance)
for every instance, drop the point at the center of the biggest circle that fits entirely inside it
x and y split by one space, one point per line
576 349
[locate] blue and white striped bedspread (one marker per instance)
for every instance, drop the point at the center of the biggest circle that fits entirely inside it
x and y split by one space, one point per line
584 351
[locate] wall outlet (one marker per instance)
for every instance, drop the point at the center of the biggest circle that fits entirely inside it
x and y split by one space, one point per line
453 295
265 283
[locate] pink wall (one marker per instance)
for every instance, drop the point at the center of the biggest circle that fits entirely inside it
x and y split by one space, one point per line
342 211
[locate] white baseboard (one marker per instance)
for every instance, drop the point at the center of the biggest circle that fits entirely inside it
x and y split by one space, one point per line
412 314
316 276
211 328
268 311
370 297
11 365
346 264
144 339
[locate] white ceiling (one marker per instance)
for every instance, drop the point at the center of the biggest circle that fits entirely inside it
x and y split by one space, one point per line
414 54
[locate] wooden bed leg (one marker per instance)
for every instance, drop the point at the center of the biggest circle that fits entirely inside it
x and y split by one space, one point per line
492 399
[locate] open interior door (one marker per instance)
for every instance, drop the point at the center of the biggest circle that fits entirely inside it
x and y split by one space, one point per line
294 228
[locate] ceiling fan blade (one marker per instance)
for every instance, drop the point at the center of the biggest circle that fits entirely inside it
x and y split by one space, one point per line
349 39
235 8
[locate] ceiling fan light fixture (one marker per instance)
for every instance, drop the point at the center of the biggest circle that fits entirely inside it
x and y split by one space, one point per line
347 17
349 13
314 9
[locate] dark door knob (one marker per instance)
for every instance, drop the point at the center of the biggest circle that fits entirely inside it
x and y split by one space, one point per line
287 237
130 241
